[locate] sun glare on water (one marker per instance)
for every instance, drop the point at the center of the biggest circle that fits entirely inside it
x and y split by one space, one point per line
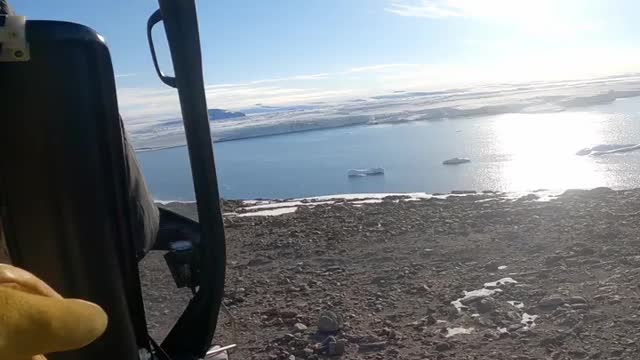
542 149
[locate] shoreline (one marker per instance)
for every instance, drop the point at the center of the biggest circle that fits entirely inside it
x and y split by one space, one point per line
406 108
431 278
411 195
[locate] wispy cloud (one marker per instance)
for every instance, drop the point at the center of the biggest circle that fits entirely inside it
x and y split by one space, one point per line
543 17
139 105
471 8
125 75
293 78
424 8
376 68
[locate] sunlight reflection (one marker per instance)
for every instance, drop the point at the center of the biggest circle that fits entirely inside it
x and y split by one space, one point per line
543 151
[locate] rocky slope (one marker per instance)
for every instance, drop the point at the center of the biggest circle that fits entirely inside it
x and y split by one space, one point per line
472 277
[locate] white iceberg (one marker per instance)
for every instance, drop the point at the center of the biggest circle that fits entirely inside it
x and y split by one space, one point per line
604 149
365 172
456 161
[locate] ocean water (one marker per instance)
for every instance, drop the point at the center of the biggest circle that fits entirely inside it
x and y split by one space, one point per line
509 152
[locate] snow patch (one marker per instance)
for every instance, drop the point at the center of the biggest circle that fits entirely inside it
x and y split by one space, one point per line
419 195
367 201
256 202
458 331
489 289
275 205
517 304
503 281
458 304
528 321
272 212
166 202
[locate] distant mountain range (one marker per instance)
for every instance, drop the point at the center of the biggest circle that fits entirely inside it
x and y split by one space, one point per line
221 114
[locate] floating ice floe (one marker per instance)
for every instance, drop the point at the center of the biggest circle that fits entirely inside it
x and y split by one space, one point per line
365 172
456 161
604 149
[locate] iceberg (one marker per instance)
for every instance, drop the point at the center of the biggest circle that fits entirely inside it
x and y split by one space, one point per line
365 172
456 161
605 149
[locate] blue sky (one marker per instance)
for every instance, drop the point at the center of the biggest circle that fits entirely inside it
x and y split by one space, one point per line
279 52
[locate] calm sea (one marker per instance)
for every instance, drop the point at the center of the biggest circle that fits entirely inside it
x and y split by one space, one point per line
510 152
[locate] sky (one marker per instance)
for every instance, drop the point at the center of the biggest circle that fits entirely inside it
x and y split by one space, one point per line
287 52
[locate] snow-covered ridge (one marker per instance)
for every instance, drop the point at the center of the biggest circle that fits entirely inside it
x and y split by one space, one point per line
401 107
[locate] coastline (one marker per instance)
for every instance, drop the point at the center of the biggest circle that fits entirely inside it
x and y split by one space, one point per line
403 108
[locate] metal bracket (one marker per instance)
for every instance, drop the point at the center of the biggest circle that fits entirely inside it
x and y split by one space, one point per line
219 352
13 39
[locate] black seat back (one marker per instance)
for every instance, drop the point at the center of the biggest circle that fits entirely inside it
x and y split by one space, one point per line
74 207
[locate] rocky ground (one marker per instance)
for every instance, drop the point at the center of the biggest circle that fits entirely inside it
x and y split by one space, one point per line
473 277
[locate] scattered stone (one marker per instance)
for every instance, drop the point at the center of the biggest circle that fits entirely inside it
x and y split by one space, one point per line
376 346
429 320
443 346
327 256
485 305
299 327
257 261
329 322
615 299
468 300
553 260
389 333
579 306
491 266
288 314
551 302
337 348
576 300
585 251
515 327
308 352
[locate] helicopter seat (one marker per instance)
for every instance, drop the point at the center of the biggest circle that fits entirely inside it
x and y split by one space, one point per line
74 206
